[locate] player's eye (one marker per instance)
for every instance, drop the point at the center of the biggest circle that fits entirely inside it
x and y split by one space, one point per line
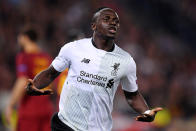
116 20
106 18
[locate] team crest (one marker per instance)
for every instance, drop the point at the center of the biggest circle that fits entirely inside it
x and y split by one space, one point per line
116 67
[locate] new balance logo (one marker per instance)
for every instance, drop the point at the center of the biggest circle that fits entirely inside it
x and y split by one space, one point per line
86 60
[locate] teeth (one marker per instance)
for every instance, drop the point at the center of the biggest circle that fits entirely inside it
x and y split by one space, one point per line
113 31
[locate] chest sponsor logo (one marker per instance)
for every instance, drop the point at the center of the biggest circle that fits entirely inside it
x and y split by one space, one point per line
110 83
85 60
95 79
115 69
92 79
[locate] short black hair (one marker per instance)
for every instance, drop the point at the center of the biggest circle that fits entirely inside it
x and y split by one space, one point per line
94 18
31 33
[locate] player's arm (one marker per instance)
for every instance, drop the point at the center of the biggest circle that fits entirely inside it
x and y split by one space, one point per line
137 102
133 96
42 80
16 95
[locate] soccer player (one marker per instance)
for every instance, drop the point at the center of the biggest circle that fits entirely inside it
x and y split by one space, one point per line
34 113
96 67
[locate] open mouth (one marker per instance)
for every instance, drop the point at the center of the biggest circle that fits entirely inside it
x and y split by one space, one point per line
112 30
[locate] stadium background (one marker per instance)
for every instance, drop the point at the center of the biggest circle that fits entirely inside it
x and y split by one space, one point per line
159 34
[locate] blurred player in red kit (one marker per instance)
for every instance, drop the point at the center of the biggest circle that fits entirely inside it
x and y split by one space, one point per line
34 113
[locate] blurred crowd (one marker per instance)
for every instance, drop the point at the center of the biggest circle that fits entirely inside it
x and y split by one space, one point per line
159 34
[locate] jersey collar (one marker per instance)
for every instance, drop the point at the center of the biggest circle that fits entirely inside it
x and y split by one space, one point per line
111 50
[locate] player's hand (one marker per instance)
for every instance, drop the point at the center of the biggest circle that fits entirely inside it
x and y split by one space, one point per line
33 91
150 116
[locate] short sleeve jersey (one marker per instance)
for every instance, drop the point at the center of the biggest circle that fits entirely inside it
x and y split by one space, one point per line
86 100
28 65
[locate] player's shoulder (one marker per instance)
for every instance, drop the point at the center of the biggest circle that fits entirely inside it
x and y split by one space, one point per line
126 57
77 43
84 40
45 55
122 52
21 55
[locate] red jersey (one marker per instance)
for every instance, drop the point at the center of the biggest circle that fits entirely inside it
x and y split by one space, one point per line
29 65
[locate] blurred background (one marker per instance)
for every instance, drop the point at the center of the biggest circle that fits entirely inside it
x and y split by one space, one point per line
159 34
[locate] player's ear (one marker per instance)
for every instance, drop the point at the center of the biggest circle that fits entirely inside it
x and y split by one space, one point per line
93 26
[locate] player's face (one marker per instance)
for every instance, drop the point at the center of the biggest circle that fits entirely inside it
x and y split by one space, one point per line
107 23
22 40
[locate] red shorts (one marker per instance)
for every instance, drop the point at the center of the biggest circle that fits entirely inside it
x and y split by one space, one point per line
41 123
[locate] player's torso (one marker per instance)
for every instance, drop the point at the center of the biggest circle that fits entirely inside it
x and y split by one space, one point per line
37 63
93 78
33 106
93 68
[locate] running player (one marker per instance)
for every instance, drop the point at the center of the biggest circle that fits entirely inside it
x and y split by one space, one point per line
96 67
34 113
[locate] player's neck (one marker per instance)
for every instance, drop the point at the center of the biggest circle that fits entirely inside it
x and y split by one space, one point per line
32 48
104 44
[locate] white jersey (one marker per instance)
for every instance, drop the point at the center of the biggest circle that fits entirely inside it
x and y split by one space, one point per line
86 100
